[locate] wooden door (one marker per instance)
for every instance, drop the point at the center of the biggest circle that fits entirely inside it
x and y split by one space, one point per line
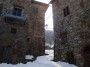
7 55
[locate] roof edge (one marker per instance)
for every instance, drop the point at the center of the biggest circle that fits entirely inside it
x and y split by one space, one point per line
52 1
37 2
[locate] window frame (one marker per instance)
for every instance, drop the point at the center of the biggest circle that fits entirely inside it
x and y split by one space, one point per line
18 11
66 11
35 10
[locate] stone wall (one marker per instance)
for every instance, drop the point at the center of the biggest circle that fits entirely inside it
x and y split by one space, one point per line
29 38
76 27
16 42
36 28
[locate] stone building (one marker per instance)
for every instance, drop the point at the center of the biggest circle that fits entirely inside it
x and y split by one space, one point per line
72 31
21 29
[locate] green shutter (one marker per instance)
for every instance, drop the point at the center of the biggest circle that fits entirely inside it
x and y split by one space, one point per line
35 10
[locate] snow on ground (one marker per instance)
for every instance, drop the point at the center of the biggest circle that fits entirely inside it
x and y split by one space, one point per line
41 61
63 64
29 57
50 53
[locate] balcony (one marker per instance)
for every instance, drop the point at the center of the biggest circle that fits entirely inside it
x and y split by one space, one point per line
14 17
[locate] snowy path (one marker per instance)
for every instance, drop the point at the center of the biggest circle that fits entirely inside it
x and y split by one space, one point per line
50 53
41 61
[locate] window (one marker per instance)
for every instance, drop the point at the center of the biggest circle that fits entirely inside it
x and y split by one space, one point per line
17 11
82 4
63 36
28 39
1 9
13 30
66 11
35 10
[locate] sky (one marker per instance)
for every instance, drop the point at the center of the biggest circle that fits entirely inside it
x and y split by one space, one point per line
48 17
44 1
48 14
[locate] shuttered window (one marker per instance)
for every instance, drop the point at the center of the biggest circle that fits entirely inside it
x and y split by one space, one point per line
35 10
66 11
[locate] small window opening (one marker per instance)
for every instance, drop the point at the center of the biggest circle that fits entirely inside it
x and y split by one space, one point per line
13 30
66 11
35 10
63 36
28 39
1 9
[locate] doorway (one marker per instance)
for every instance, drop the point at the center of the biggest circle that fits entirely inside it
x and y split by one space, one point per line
7 54
70 58
87 56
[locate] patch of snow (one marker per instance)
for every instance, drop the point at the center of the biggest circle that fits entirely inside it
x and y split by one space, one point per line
64 64
46 62
50 53
29 57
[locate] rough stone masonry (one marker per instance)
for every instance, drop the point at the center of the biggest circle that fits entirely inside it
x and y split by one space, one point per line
21 29
72 31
